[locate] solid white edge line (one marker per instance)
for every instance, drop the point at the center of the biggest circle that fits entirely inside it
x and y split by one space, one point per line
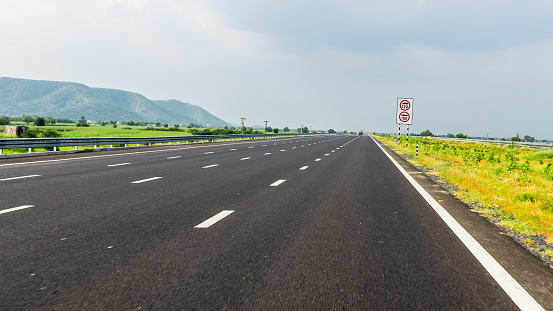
210 166
214 219
20 177
118 164
278 182
513 289
13 209
145 180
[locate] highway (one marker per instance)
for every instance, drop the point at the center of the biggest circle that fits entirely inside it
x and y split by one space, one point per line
315 223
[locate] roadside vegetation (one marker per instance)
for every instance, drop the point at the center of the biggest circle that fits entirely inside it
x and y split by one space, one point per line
511 186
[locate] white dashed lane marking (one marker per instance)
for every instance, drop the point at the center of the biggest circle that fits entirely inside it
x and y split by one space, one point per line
303 168
210 152
210 166
145 180
317 160
13 209
208 223
278 182
19 177
118 164
174 157
268 153
245 158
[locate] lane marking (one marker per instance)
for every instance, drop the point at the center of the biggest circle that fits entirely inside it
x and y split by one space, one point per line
176 157
283 150
267 153
19 177
251 147
294 147
333 151
317 160
13 209
233 149
517 293
214 219
119 164
145 180
327 154
245 158
210 166
210 152
302 146
303 168
264 145
278 182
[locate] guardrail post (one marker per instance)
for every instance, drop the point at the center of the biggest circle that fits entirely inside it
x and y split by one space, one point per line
417 149
76 147
126 145
111 146
55 148
30 150
1 150
95 146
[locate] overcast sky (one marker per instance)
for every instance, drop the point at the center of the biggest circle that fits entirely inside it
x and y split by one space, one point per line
472 66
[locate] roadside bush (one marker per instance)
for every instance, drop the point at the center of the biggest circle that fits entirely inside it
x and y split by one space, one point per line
50 133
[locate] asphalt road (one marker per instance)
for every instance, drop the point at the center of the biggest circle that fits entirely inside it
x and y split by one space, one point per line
319 223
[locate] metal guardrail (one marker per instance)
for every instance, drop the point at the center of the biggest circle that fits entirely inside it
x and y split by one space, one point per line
30 143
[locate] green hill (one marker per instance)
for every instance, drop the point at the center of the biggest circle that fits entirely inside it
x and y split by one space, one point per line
72 100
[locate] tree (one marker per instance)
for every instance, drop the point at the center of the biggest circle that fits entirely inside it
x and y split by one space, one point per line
157 124
461 135
331 131
285 129
102 123
516 139
131 123
426 133
529 138
4 120
51 121
81 121
40 121
27 118
269 129
450 136
275 130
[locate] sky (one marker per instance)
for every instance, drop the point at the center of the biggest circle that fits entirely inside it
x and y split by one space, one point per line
473 67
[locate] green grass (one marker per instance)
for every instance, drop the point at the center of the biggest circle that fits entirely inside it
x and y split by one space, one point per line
513 186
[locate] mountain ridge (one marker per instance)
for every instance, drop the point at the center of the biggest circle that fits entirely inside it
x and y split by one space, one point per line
58 99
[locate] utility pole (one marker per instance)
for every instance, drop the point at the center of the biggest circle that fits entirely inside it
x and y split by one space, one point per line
242 119
266 126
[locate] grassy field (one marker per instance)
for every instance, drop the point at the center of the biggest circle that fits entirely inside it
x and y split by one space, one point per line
93 131
511 186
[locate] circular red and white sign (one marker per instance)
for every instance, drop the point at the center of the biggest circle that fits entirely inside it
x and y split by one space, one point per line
404 117
404 105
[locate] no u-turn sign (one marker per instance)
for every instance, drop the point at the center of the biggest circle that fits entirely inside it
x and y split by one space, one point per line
404 111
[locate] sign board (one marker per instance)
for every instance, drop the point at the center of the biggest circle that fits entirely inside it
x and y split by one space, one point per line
404 111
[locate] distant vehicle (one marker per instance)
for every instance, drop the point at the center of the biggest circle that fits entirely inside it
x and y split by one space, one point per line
360 132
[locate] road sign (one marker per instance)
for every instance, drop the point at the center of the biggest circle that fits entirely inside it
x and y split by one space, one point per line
404 111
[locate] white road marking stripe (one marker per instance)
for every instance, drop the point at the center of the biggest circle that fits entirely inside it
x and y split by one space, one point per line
517 293
20 177
251 147
245 158
333 151
176 157
210 166
13 209
327 154
294 147
214 219
233 149
210 152
283 150
267 153
145 180
303 168
317 160
278 182
119 164
264 145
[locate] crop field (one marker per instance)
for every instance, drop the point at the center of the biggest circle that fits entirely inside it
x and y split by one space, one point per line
511 186
94 131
